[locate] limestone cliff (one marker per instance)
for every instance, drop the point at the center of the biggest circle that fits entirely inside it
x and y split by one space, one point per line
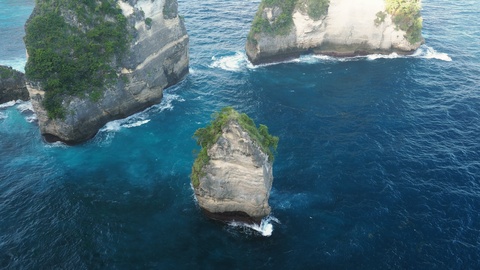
232 175
286 29
12 85
99 60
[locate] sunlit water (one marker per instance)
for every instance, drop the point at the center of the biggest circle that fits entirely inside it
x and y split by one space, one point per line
377 168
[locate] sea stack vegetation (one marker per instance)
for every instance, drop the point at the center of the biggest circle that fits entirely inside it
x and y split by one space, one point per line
94 61
232 174
287 29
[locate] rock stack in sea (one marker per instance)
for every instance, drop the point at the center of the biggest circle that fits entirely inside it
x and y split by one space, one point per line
91 62
232 175
12 85
286 29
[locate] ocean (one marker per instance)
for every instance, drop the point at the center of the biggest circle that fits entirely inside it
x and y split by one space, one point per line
378 164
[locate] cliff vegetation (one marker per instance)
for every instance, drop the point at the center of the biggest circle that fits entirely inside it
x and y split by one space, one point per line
73 47
206 137
406 15
8 72
283 21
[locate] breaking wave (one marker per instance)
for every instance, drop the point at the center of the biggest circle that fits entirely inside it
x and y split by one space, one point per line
25 107
235 62
142 118
8 104
265 228
239 60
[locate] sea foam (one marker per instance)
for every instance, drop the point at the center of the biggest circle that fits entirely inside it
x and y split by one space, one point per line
234 62
265 228
142 118
8 104
239 60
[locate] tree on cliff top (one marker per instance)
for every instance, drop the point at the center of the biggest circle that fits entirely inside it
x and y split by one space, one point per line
73 47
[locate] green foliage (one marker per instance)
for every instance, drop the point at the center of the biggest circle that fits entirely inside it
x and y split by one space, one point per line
74 60
206 137
148 21
316 9
6 72
380 18
406 15
284 22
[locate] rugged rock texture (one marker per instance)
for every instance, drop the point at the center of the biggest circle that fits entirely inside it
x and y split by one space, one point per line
12 85
238 178
232 176
348 28
156 57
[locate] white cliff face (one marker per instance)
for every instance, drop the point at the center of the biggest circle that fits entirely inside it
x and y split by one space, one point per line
157 58
348 29
238 177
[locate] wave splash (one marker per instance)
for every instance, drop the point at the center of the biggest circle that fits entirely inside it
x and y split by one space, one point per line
239 60
265 228
25 107
235 62
142 118
427 52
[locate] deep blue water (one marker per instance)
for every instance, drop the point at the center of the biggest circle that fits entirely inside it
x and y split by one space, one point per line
378 165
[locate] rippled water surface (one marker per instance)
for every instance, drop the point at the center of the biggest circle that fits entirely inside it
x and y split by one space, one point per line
378 165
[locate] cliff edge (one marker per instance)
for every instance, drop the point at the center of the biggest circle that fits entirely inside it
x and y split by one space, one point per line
12 85
90 62
286 29
232 175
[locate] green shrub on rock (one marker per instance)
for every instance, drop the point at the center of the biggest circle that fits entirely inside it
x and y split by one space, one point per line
406 15
206 137
73 47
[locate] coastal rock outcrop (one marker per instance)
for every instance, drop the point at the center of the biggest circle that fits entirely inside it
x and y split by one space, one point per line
286 29
232 175
90 62
12 85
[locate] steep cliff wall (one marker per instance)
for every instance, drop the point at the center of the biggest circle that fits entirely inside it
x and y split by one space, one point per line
232 176
96 61
12 85
334 27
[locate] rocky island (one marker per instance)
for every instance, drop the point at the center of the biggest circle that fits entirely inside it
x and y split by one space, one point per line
93 61
232 175
12 85
286 29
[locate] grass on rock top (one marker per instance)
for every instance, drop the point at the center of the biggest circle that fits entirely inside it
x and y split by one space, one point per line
206 137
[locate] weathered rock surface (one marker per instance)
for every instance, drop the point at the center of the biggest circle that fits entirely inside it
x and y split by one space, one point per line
12 85
157 58
348 29
237 180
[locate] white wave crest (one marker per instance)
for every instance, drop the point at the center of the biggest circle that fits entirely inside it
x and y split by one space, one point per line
56 145
265 228
25 106
8 104
382 56
235 62
427 52
137 124
3 116
239 61
142 118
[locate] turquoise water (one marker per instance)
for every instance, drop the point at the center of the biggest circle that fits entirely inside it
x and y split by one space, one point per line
378 163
